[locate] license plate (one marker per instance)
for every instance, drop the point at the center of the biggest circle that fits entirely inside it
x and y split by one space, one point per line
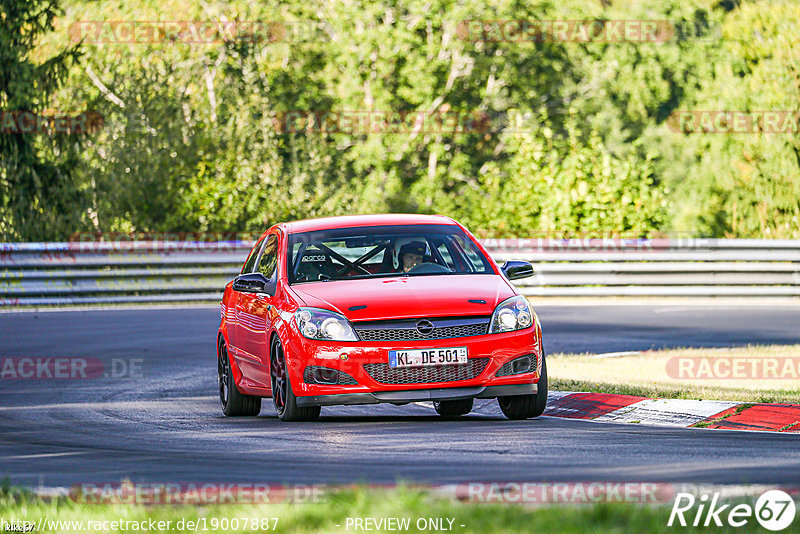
423 357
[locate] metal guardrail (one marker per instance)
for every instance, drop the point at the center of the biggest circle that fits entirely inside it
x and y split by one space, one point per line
46 274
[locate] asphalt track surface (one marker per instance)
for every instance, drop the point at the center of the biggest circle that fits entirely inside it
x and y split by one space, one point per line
166 425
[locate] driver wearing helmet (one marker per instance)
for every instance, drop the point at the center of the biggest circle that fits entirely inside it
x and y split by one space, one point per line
411 254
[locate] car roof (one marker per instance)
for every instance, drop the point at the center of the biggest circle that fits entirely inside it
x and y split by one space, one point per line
346 221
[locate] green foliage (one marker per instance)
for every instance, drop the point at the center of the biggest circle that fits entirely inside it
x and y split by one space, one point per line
744 184
568 186
578 137
38 196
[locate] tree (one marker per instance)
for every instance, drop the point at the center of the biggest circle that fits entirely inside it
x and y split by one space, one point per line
39 198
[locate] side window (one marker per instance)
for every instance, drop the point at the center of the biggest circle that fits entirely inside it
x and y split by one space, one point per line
269 258
251 259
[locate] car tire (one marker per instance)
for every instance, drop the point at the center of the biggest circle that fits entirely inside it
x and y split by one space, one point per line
282 395
527 406
234 403
453 408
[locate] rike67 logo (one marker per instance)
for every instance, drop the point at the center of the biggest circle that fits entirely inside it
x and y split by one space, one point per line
774 510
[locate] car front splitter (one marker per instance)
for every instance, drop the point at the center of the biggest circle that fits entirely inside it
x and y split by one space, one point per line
418 395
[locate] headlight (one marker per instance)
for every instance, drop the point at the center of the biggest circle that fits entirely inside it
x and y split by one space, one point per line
511 314
315 323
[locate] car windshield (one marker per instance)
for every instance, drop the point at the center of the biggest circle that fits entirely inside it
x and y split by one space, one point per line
381 251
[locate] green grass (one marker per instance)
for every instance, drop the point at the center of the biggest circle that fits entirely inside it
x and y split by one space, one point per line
664 392
645 374
737 411
331 512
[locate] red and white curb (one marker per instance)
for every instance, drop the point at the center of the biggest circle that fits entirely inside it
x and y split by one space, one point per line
612 408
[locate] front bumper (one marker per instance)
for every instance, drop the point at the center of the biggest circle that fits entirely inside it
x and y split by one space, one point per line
418 395
351 358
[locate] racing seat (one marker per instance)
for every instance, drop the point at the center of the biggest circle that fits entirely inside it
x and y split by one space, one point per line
316 265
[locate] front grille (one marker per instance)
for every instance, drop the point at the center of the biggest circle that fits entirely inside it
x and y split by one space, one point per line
405 330
312 371
518 366
383 374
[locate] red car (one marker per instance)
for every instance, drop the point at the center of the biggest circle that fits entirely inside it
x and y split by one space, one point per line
377 308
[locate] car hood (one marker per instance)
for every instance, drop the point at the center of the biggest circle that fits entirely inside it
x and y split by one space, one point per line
408 296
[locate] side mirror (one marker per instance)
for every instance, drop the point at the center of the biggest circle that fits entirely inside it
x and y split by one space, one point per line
251 283
515 270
